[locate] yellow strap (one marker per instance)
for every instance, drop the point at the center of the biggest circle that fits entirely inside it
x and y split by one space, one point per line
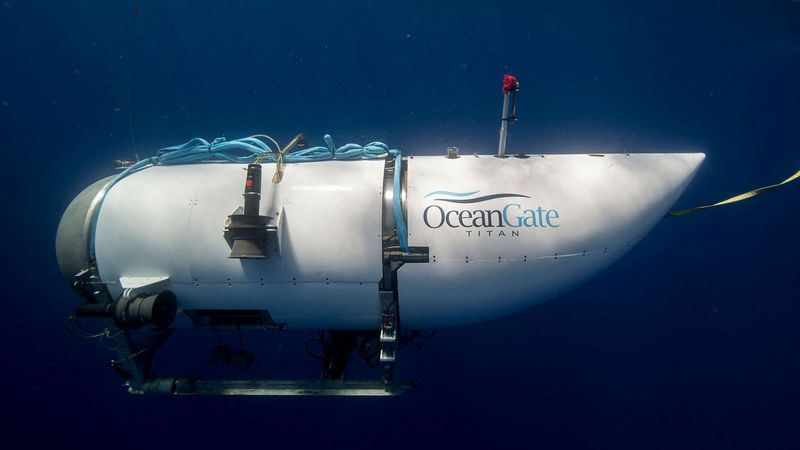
737 198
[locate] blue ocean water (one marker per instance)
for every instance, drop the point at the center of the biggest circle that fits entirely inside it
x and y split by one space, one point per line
690 341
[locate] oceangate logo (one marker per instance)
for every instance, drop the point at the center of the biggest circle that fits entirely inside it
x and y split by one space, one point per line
507 220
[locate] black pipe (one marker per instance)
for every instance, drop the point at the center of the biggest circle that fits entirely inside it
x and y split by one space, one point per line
95 310
133 313
252 190
157 310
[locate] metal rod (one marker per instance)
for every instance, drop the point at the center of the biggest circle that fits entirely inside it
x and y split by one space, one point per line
184 385
298 140
501 150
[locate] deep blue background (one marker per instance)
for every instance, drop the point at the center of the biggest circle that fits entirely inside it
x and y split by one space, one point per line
690 341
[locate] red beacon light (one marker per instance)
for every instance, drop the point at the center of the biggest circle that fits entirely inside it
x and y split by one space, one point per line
510 84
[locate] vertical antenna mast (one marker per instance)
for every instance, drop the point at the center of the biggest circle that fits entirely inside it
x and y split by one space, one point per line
510 86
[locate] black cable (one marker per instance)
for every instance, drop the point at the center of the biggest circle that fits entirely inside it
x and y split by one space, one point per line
72 318
370 358
320 340
393 303
430 335
132 48
102 335
416 339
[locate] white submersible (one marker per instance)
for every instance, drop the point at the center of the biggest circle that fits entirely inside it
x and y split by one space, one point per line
377 243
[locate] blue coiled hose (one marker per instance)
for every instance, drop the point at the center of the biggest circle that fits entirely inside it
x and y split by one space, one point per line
250 149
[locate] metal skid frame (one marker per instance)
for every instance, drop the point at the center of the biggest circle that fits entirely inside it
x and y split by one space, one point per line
133 362
127 363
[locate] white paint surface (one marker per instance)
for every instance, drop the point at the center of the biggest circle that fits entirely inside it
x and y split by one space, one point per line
323 273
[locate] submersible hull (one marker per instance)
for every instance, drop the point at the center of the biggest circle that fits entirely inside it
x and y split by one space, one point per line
501 234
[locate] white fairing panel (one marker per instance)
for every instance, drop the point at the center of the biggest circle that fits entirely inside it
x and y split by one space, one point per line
326 265
555 221
504 234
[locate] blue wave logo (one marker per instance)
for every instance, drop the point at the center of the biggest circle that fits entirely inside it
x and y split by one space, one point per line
468 194
511 216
